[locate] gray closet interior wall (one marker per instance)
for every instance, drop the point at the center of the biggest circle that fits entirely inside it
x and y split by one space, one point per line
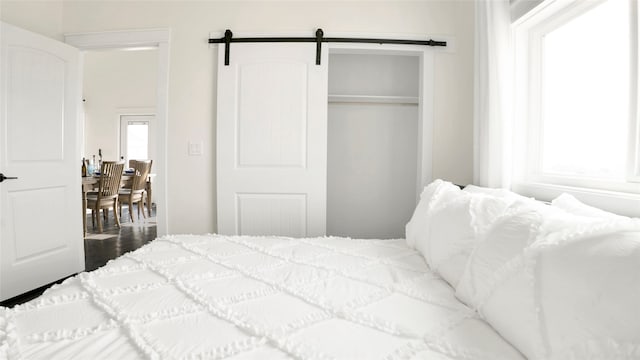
372 144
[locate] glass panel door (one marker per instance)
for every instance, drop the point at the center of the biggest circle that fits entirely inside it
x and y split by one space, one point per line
134 137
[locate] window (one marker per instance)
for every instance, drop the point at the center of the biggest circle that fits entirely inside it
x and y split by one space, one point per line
576 85
134 136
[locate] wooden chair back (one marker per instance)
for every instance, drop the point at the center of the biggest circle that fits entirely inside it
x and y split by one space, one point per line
141 168
110 178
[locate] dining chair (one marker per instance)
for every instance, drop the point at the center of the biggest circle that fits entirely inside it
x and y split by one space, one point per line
136 193
107 194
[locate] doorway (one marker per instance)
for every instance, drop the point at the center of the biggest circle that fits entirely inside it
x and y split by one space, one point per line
379 139
157 40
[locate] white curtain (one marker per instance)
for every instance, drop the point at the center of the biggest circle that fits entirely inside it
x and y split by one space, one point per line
492 94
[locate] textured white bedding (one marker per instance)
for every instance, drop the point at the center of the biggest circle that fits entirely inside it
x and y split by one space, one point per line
253 298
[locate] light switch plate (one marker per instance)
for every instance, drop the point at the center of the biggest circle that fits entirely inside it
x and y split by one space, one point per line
195 148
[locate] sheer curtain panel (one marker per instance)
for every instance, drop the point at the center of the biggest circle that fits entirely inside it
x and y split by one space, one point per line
492 93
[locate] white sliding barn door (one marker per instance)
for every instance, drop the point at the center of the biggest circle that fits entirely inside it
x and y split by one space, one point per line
272 140
40 211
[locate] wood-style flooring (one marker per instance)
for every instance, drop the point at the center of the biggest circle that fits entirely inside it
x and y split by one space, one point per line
97 253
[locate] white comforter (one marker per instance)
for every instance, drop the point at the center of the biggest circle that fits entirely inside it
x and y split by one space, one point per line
253 298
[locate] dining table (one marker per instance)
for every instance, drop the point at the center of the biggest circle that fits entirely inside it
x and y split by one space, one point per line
90 183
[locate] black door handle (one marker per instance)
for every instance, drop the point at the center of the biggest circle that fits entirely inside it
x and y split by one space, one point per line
3 178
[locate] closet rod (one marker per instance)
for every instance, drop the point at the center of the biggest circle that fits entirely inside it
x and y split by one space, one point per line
319 39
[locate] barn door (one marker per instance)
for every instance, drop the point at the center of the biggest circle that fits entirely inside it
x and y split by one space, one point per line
40 211
272 140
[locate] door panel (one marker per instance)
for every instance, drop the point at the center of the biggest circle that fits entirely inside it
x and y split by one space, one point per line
33 241
271 141
26 67
272 114
284 214
40 212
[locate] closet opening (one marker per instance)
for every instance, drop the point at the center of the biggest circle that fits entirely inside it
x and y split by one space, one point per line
375 142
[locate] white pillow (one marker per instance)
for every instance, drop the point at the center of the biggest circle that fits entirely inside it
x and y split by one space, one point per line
446 224
572 205
589 291
495 284
455 223
415 230
557 285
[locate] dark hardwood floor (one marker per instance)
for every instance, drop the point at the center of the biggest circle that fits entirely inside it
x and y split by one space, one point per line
128 237
97 252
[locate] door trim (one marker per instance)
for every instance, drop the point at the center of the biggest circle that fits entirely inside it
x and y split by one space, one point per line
136 39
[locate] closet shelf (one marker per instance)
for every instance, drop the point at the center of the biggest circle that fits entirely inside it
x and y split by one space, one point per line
412 100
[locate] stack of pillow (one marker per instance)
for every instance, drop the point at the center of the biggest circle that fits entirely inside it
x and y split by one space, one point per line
558 281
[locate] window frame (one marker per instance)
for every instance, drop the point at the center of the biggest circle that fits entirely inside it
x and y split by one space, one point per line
528 178
633 169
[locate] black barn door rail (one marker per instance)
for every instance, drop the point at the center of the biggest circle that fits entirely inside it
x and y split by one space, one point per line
319 39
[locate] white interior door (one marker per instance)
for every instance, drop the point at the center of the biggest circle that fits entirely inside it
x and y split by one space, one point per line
272 140
40 211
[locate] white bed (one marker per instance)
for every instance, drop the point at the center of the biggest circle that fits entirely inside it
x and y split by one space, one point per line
253 298
482 274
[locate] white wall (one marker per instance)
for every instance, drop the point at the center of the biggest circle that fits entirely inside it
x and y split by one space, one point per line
192 83
44 17
113 81
371 169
